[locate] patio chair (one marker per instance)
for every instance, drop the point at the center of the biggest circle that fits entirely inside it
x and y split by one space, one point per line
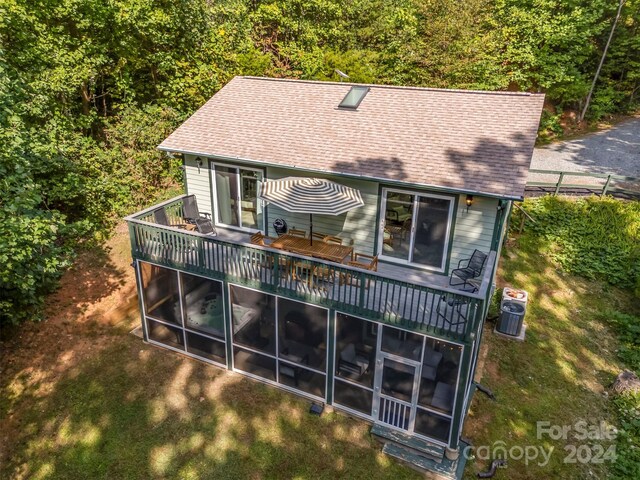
259 238
453 310
161 218
205 227
319 235
472 270
399 214
363 261
333 239
367 262
300 267
297 233
352 363
190 210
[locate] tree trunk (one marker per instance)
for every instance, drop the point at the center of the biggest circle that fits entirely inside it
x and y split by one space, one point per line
86 98
604 54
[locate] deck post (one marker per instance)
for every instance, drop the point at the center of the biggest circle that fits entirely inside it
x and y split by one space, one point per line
606 186
135 265
458 409
331 345
145 333
559 183
228 321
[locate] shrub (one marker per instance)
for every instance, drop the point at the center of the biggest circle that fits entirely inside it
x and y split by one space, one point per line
550 126
628 329
627 464
592 237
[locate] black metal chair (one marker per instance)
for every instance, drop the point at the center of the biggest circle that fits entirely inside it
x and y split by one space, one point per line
204 226
161 218
191 211
472 270
453 310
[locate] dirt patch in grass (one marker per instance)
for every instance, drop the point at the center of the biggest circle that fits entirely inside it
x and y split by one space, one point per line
82 398
94 305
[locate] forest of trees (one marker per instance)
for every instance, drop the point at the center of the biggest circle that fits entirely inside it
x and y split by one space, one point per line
88 88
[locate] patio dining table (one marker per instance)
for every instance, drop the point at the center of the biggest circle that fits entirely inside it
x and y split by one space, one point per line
319 249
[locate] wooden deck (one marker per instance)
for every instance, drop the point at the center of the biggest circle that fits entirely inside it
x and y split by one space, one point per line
395 294
386 269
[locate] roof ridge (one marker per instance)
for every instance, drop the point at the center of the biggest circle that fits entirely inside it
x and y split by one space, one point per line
394 87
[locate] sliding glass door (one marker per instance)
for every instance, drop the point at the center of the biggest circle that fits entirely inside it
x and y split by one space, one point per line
236 197
415 228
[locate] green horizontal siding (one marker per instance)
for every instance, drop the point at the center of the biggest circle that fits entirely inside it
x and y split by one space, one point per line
198 183
473 229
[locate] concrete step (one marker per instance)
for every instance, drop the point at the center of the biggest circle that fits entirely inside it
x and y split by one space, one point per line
418 445
444 470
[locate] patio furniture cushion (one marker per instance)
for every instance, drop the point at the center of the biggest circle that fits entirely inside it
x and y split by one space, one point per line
443 396
399 214
431 362
349 355
289 371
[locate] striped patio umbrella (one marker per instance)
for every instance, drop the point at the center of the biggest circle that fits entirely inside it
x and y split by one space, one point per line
310 195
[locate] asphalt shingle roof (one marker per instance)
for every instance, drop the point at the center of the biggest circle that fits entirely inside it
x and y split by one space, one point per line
465 140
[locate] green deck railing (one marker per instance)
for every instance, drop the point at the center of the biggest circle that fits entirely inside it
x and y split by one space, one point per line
440 311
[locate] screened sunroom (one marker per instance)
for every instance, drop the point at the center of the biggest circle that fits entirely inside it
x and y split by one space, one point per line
373 370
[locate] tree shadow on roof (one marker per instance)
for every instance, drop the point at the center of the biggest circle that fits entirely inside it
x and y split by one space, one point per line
491 167
393 167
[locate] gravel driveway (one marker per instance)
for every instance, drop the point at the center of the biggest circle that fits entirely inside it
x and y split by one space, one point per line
616 151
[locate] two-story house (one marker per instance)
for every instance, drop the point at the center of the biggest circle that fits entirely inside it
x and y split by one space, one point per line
389 340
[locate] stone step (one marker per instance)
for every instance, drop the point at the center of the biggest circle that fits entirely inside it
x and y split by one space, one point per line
419 445
446 470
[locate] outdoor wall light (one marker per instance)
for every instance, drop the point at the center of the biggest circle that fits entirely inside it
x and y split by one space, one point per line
469 201
198 163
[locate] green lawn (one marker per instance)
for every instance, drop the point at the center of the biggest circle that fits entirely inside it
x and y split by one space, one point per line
560 374
82 398
134 411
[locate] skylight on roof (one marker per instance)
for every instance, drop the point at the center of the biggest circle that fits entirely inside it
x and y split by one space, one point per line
354 97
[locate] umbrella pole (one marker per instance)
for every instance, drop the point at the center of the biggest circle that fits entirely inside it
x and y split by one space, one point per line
311 228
